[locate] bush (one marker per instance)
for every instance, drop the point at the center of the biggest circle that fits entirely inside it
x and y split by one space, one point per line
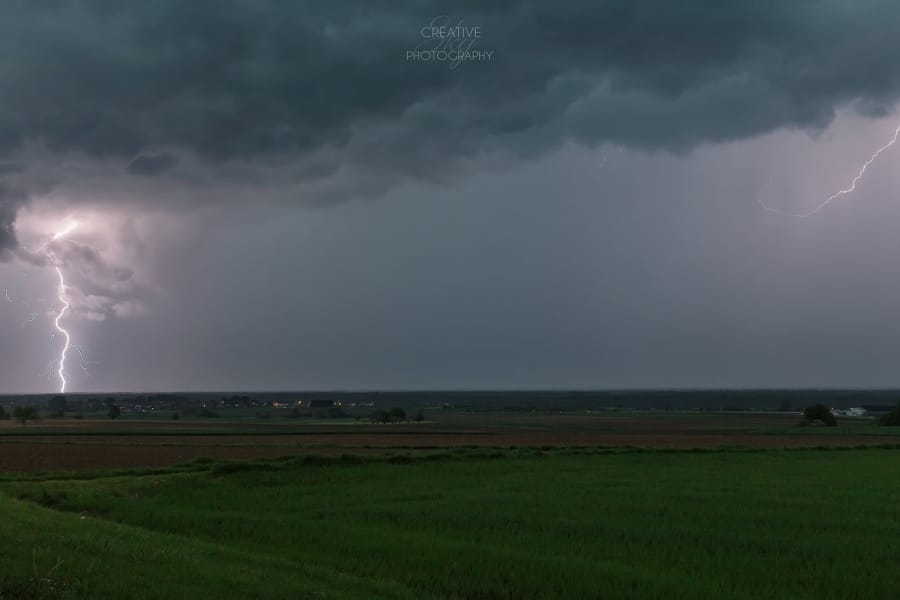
819 412
398 414
114 411
4 416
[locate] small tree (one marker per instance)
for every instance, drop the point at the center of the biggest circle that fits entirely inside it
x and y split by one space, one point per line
420 416
819 412
114 411
23 414
3 414
398 414
785 406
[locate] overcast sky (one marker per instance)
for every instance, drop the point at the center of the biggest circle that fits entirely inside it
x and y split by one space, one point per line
283 195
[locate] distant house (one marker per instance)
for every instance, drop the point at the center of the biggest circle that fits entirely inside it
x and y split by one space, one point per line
857 411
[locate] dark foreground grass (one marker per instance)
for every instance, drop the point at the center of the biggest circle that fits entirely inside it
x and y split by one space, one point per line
763 524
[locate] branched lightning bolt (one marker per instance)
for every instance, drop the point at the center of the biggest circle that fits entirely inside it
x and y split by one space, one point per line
839 193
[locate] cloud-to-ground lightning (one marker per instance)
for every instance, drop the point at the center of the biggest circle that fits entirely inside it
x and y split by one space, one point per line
839 193
62 330
63 298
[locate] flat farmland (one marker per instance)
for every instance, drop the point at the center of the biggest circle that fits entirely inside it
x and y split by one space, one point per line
75 444
463 523
462 505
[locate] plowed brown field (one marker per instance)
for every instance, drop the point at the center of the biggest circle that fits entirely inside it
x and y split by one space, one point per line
102 444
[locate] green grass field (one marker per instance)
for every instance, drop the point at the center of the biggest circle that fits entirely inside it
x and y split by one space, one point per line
473 524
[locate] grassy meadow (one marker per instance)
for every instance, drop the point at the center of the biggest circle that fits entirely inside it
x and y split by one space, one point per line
465 523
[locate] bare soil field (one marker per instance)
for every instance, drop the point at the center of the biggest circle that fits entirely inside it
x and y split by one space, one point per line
105 444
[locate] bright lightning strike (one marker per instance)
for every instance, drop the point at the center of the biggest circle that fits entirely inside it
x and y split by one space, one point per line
839 193
59 328
65 307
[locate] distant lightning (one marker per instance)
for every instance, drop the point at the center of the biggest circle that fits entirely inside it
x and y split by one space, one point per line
62 294
63 297
839 193
59 328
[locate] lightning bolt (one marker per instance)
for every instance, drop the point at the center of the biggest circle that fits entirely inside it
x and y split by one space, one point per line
839 193
59 328
61 292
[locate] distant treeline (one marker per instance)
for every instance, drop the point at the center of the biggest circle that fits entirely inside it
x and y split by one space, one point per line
486 400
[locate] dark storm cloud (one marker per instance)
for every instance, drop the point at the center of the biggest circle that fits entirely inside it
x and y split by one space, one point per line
162 89
235 79
152 164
